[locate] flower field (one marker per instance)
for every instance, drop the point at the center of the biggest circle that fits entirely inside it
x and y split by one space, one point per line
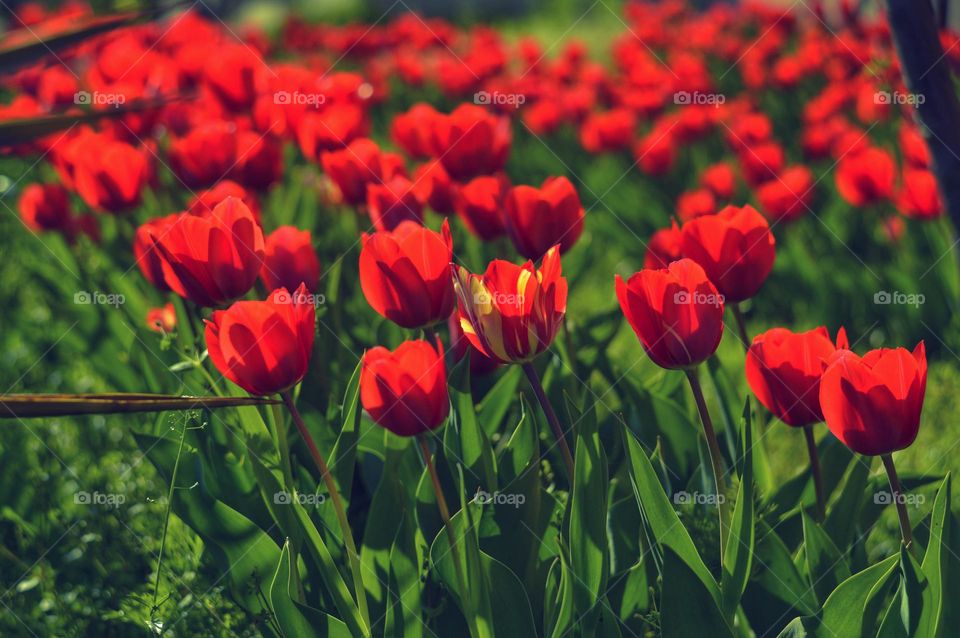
624 319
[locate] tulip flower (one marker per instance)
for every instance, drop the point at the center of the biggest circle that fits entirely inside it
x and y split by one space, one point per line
259 160
405 276
206 200
696 203
331 129
720 179
919 197
512 313
46 207
470 141
538 218
787 197
263 346
111 175
147 257
162 320
873 405
412 130
783 370
204 155
393 202
214 259
664 248
609 131
866 177
405 391
677 315
736 249
479 203
359 164
434 187
289 260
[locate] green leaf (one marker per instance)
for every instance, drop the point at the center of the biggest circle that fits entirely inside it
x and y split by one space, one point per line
343 458
405 588
844 514
779 575
27 406
688 608
497 402
738 554
937 563
296 619
589 558
659 514
470 445
826 567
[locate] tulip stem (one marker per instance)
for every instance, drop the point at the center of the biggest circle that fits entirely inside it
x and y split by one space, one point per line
741 325
815 470
352 555
534 379
898 499
716 460
448 527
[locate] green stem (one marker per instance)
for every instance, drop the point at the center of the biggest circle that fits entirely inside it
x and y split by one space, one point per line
897 491
352 555
166 518
741 325
815 470
451 536
716 459
283 447
534 379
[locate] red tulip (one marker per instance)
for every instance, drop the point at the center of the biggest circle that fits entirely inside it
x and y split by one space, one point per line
470 141
147 257
914 149
214 259
359 164
205 201
231 72
480 364
393 202
259 160
434 186
693 204
404 274
163 320
205 155
676 312
610 131
720 180
664 248
289 260
655 152
866 177
110 175
331 129
479 203
412 131
873 403
512 313
263 346
538 218
735 247
761 162
787 197
405 391
919 197
46 207
783 369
